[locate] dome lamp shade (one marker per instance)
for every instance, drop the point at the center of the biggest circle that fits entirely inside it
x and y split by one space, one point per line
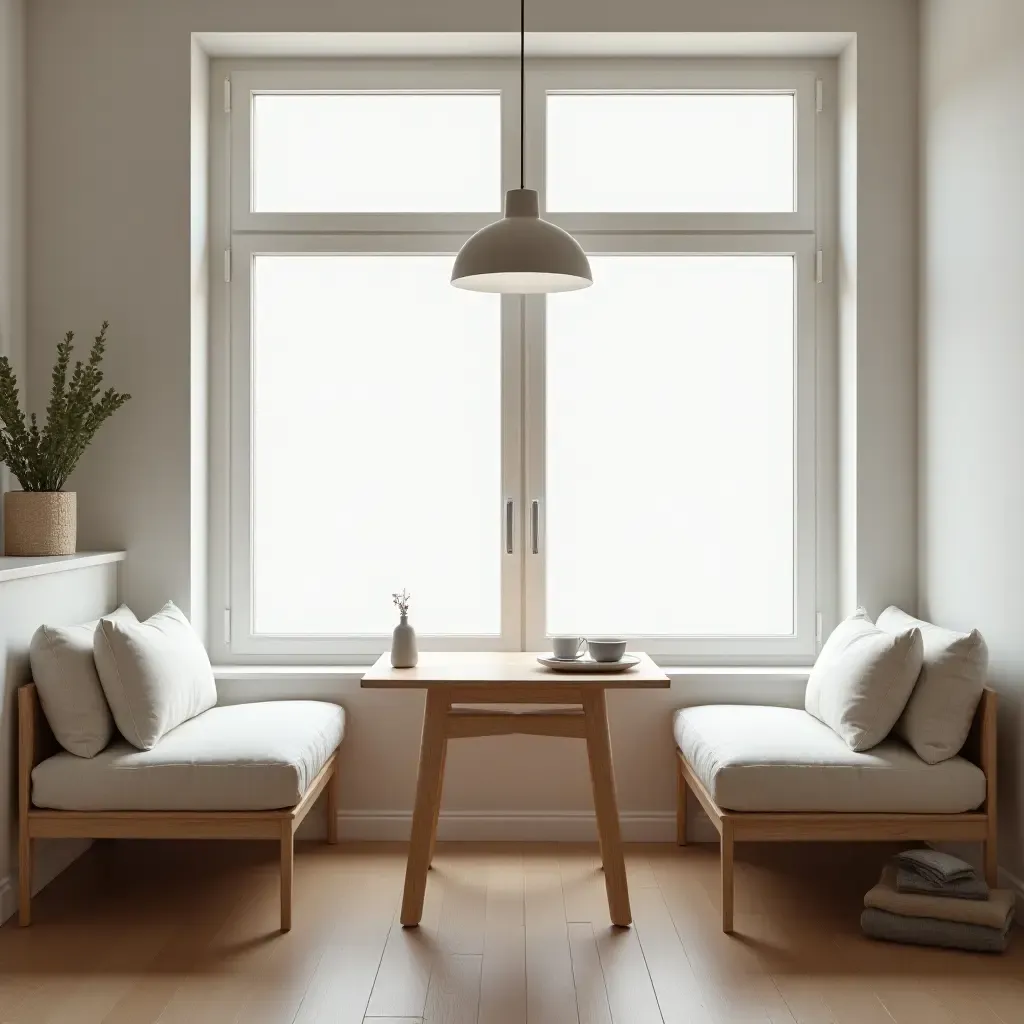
522 254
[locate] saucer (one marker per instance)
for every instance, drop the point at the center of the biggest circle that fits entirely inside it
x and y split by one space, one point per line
586 664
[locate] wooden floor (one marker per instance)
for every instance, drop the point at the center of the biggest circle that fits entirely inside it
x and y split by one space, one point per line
186 934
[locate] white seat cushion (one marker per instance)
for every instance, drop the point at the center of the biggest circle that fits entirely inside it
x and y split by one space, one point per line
245 757
783 759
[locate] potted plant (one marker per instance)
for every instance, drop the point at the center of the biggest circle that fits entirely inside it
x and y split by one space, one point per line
41 518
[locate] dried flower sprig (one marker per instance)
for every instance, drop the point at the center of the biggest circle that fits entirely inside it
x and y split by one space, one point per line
401 602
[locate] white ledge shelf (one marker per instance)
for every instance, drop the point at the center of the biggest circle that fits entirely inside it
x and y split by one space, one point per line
22 568
261 672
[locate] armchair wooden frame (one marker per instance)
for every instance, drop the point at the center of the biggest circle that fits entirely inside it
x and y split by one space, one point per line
789 826
36 742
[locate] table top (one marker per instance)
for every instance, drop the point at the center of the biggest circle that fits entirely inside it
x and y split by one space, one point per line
484 668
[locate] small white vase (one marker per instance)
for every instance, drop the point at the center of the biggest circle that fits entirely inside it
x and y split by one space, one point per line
403 645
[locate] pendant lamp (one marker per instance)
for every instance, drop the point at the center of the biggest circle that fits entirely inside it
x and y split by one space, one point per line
521 253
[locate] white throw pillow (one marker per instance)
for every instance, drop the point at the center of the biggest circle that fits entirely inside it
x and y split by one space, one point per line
69 688
938 716
156 674
862 680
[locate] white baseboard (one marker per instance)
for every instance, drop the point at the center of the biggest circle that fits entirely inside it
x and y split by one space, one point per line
51 859
521 826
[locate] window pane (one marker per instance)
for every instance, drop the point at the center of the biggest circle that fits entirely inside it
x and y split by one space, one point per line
670 447
684 152
376 153
376 446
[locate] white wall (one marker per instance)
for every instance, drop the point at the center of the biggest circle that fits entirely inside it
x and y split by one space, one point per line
972 352
13 160
109 105
109 158
61 598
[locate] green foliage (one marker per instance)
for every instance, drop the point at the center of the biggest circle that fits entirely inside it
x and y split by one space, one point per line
42 460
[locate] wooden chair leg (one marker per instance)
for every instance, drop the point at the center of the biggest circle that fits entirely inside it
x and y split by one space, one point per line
681 788
28 710
332 805
989 765
287 874
24 878
991 856
727 877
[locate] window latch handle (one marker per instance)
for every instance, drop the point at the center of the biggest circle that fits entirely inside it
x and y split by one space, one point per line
535 526
510 517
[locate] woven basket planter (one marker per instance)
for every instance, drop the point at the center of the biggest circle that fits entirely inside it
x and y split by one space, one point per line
40 522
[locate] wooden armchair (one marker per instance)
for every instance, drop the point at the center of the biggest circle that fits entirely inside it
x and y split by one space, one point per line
36 743
788 826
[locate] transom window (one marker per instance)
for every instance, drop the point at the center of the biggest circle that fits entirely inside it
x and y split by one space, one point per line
636 459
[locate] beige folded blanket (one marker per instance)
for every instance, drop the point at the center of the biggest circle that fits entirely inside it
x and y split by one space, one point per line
995 912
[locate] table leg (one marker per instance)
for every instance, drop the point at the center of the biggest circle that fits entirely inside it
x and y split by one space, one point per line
602 776
428 797
437 805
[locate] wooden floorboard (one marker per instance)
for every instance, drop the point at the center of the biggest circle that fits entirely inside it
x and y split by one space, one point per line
186 933
503 972
588 976
550 988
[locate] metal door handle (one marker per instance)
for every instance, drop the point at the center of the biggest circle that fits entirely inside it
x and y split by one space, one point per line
510 516
535 526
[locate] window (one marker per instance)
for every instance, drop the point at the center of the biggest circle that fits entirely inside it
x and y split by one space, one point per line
320 152
371 412
638 459
705 530
662 152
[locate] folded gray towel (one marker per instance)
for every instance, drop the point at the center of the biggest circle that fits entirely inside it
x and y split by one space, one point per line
936 866
994 912
927 931
961 888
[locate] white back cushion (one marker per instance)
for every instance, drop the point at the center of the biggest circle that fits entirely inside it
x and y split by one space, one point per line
938 715
862 680
69 687
155 674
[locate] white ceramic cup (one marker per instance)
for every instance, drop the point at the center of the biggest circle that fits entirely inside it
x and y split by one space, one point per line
607 650
568 648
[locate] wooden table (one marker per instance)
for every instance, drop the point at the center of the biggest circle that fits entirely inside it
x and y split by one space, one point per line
454 679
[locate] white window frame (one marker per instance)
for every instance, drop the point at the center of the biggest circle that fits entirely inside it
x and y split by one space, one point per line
678 77
245 641
694 648
243 233
374 77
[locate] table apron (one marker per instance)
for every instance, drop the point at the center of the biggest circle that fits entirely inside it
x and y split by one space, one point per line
511 693
466 723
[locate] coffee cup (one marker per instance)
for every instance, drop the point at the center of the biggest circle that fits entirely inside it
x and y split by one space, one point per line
606 650
567 648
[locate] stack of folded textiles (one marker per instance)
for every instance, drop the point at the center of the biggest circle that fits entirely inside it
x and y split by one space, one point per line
928 898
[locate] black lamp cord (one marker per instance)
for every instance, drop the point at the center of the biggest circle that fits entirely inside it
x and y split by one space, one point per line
522 94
